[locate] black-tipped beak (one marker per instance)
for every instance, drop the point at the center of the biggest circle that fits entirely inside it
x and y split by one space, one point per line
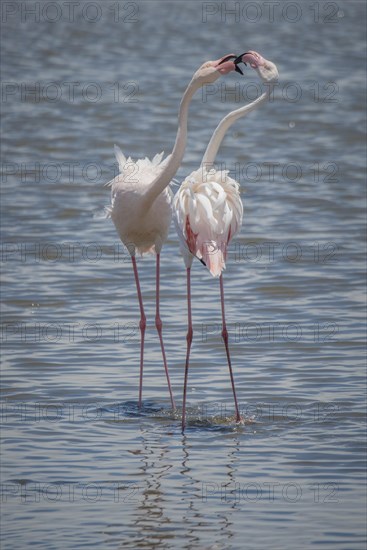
239 59
227 58
236 61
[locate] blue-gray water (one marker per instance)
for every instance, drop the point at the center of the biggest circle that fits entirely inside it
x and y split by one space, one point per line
82 467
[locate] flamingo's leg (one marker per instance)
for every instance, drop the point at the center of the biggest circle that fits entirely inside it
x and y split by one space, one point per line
189 341
158 324
142 326
225 339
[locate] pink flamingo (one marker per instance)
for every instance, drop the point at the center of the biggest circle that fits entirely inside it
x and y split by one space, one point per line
141 201
209 212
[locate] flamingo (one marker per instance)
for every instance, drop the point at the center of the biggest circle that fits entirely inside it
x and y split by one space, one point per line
208 212
141 202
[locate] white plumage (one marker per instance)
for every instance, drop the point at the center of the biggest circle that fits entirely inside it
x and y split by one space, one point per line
140 229
209 214
141 199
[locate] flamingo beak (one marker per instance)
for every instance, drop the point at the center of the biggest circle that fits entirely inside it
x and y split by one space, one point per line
239 60
228 58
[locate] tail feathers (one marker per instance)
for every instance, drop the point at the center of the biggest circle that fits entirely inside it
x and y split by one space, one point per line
157 158
120 157
210 251
213 257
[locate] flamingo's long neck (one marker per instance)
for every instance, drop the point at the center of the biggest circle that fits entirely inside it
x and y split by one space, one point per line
174 162
226 122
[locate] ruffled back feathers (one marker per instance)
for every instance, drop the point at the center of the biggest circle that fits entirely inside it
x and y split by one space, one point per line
209 213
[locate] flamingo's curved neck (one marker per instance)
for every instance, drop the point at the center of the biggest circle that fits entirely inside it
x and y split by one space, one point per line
174 162
226 122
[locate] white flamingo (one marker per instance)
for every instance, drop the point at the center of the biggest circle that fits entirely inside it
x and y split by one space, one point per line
141 202
209 211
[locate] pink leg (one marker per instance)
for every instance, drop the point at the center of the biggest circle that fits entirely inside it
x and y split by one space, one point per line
225 339
142 325
189 341
158 324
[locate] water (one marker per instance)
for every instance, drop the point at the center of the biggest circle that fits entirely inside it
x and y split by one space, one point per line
82 466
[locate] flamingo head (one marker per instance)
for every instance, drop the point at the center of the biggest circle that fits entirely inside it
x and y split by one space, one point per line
210 71
267 70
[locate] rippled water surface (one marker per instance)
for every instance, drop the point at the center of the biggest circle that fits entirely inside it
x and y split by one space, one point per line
83 467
